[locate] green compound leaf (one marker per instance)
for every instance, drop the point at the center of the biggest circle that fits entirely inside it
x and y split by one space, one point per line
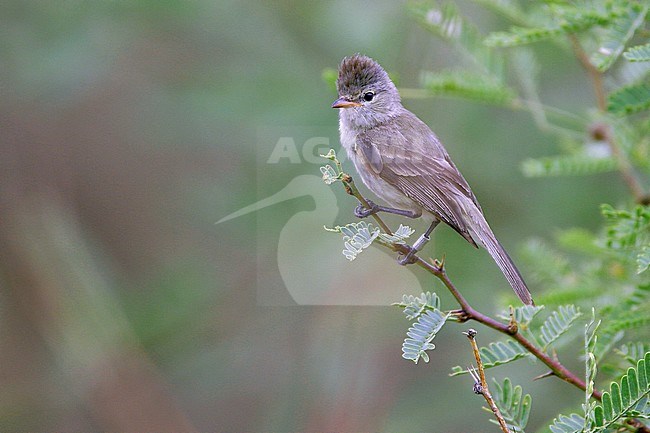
568 165
617 34
640 320
591 366
640 53
356 237
559 322
573 423
468 85
419 336
626 229
643 259
414 306
514 406
399 236
626 398
521 36
629 99
565 19
633 351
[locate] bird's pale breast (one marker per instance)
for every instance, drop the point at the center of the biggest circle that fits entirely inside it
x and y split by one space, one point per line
382 189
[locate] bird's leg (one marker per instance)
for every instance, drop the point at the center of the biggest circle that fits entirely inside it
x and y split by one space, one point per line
361 211
410 258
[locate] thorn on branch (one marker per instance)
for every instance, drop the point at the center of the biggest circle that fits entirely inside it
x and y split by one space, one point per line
544 375
439 264
460 315
477 388
513 326
471 333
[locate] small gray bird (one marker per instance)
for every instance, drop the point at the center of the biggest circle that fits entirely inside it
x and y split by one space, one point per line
402 161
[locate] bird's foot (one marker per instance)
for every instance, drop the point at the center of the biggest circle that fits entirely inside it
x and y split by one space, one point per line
362 212
409 258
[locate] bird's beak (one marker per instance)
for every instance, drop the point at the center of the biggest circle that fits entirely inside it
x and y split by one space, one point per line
345 103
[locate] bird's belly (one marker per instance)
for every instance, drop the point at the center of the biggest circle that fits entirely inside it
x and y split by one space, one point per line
382 189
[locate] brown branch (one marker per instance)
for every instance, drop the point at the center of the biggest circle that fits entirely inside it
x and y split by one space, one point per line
467 311
481 387
436 268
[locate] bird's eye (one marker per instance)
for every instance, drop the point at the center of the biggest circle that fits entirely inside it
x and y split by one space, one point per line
368 96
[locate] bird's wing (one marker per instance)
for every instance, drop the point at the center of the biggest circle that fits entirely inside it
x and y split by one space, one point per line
413 161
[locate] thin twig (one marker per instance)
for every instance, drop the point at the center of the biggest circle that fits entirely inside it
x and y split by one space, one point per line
624 165
351 189
483 389
594 73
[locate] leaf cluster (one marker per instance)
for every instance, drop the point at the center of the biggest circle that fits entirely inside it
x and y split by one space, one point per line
626 398
605 27
427 319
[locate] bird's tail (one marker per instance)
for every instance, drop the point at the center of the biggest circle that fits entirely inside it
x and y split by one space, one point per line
503 260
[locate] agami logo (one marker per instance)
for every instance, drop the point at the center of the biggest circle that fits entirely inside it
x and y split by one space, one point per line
310 264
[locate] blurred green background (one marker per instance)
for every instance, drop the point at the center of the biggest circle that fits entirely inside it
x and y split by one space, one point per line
128 128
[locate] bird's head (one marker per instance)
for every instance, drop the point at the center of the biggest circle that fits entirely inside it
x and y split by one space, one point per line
367 96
